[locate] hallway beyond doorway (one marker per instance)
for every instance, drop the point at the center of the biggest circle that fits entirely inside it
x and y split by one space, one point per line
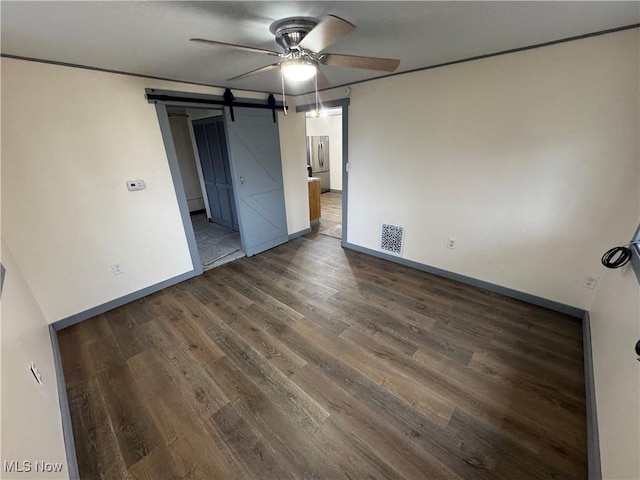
331 214
217 245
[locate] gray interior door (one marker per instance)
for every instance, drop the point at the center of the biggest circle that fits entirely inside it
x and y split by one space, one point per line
254 149
216 171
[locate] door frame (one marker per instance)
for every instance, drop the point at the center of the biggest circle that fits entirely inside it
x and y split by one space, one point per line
344 103
176 176
172 98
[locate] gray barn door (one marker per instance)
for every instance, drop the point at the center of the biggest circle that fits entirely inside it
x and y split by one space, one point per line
254 149
214 159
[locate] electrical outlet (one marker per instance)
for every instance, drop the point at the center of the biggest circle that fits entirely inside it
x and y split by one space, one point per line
589 281
451 243
116 268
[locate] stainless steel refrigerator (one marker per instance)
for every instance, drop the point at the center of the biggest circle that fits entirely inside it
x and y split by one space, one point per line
318 159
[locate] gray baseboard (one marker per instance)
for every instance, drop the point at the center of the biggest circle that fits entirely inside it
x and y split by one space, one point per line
65 413
299 233
492 287
118 302
334 190
593 439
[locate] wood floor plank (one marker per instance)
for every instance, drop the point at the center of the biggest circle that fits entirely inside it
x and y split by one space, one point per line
139 310
267 345
513 460
301 409
414 332
180 423
76 347
351 455
381 437
555 442
187 374
191 336
415 427
301 303
98 452
268 303
246 447
512 378
136 432
311 361
105 353
130 339
430 404
293 449
158 464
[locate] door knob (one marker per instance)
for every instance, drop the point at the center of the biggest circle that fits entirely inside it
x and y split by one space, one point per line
242 180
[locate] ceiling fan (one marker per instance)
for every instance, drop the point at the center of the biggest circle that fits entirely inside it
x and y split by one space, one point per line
303 41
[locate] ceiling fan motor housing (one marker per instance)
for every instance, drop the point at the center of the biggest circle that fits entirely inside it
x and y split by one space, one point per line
289 32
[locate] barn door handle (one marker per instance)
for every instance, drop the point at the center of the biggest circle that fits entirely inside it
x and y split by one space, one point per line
242 180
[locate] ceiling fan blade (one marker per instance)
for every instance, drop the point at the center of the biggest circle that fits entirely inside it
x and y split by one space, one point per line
354 61
268 68
233 45
328 31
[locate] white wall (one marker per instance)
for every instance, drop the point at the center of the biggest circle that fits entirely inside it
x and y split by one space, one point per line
615 328
531 161
293 149
31 422
186 159
332 126
71 138
526 159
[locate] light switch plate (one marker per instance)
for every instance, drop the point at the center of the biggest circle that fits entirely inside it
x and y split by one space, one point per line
133 185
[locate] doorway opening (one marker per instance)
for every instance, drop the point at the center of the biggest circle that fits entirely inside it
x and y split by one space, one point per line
325 168
201 149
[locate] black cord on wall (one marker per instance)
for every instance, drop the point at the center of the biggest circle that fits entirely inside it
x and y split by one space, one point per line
617 257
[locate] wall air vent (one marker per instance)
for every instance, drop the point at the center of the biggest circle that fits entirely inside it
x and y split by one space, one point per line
392 239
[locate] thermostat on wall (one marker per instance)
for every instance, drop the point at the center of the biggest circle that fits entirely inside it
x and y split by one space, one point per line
133 185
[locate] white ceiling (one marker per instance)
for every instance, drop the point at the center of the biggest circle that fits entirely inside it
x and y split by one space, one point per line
151 38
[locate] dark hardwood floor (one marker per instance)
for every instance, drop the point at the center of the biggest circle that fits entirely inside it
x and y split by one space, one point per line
331 207
331 215
309 361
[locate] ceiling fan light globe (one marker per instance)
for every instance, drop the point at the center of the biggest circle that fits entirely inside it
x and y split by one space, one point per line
299 70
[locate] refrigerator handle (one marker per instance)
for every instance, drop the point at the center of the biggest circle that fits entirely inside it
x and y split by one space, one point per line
320 156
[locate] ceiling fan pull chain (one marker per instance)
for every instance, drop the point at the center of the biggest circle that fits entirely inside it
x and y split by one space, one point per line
284 98
315 78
